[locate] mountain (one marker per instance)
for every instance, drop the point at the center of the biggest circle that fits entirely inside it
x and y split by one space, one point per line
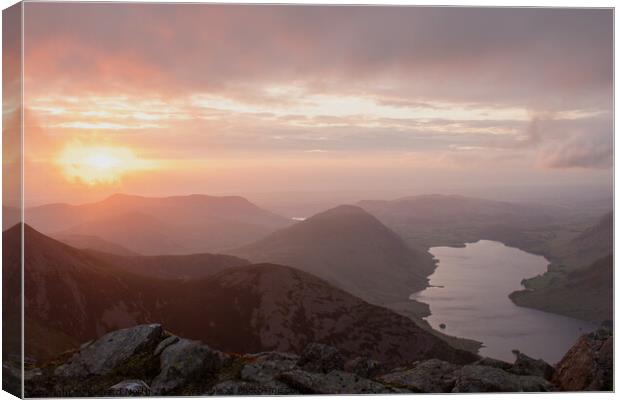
80 295
94 243
181 267
351 249
161 225
139 232
452 220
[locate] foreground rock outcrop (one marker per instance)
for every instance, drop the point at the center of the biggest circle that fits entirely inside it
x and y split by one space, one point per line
147 360
588 365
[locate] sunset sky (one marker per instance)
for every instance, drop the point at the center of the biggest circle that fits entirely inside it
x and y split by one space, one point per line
162 99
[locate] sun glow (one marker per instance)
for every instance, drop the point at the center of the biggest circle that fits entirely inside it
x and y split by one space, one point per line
98 164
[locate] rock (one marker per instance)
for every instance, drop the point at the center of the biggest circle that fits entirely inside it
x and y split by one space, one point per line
334 382
85 345
431 376
165 343
111 351
240 388
363 366
186 364
264 367
319 357
11 378
130 387
588 365
442 326
607 325
32 373
535 384
480 378
525 365
492 362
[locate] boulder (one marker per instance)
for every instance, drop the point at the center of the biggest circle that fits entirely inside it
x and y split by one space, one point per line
535 384
264 367
317 357
363 366
334 382
588 365
492 362
165 343
111 351
525 365
187 365
130 387
242 388
480 378
431 376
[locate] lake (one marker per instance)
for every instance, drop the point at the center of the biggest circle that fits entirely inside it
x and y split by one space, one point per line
469 294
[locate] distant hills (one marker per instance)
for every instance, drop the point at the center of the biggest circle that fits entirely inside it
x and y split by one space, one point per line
452 220
166 225
76 295
351 249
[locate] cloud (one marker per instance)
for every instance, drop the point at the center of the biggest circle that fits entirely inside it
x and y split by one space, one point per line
484 88
548 58
594 150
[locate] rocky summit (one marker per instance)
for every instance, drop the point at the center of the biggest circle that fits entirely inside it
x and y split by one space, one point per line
148 360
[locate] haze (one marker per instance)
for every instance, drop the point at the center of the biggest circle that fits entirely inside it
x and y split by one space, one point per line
163 99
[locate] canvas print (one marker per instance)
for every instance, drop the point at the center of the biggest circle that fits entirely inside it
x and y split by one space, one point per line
220 199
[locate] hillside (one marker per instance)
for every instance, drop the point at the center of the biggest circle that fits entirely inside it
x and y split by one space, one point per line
161 225
80 295
90 242
283 309
592 244
579 281
350 249
585 293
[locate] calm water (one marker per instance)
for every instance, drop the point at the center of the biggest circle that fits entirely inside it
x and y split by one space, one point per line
472 301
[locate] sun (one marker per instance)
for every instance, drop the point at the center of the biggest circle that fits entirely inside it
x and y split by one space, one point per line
93 165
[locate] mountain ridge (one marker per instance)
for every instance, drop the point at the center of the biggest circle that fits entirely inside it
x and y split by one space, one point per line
166 225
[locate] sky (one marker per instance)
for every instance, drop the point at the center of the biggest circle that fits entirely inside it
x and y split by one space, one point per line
161 99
